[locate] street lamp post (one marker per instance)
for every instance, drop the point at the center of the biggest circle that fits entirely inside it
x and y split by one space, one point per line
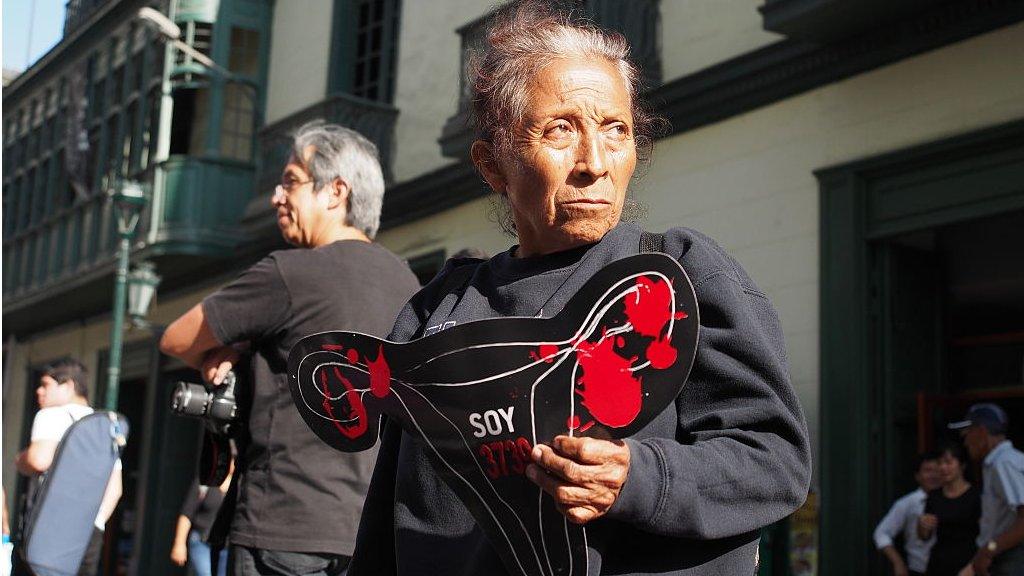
129 201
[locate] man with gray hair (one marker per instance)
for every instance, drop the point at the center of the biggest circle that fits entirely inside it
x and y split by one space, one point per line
300 501
1001 526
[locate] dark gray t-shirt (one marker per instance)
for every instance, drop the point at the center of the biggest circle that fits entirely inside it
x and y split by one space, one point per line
295 493
728 458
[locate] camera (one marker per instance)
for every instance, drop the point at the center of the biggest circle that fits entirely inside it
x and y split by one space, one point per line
216 407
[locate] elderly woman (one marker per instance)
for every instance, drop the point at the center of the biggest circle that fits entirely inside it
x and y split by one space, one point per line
560 131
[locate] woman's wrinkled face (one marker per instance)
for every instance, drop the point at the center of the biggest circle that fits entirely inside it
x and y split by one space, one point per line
572 159
950 469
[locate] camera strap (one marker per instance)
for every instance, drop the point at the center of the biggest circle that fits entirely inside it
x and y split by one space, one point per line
220 529
214 458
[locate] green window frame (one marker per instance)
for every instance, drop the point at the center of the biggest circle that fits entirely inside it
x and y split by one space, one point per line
364 48
969 176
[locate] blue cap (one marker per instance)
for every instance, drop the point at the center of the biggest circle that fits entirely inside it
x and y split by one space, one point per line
986 414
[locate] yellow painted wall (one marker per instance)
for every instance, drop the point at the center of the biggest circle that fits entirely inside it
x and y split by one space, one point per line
427 85
300 52
696 34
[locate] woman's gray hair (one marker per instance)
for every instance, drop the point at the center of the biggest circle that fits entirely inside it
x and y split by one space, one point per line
524 37
340 152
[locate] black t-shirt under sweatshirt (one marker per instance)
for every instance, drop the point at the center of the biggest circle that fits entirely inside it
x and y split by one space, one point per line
728 458
295 493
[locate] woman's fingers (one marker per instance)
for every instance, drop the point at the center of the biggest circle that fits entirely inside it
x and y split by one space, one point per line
583 475
591 450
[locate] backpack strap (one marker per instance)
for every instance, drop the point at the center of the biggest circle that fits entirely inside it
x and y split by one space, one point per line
456 283
651 242
458 278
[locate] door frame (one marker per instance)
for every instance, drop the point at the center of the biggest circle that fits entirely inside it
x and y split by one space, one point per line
957 179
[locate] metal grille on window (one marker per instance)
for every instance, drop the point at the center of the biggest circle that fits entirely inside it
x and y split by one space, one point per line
373 74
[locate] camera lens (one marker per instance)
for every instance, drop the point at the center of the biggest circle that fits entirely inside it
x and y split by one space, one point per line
190 399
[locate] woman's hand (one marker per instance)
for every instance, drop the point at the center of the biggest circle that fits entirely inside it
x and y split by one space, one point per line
583 475
179 553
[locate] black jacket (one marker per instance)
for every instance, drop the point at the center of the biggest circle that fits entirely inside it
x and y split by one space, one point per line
730 457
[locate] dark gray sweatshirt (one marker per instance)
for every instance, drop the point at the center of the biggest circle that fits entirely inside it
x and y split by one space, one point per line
728 458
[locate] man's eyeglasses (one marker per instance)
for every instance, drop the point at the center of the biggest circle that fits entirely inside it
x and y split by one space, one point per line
289 183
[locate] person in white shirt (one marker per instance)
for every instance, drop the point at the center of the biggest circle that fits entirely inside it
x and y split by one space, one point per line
63 397
902 519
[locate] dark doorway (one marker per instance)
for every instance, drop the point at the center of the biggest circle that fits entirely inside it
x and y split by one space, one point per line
120 533
920 262
173 444
950 333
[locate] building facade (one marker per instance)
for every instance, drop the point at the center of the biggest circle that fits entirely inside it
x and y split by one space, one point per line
863 161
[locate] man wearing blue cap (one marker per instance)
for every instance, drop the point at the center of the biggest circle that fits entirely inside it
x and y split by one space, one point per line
1001 528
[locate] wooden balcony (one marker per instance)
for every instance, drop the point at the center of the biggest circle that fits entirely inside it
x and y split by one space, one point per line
66 246
62 267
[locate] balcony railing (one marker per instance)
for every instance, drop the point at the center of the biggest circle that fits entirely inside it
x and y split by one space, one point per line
68 256
638 20
63 247
203 203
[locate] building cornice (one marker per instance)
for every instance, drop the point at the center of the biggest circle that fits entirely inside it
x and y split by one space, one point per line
432 192
790 67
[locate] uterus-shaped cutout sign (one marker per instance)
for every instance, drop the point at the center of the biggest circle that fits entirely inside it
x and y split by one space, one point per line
480 395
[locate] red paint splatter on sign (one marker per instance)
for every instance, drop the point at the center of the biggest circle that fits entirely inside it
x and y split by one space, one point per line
352 355
661 354
380 374
607 386
355 401
545 352
332 347
650 307
573 422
